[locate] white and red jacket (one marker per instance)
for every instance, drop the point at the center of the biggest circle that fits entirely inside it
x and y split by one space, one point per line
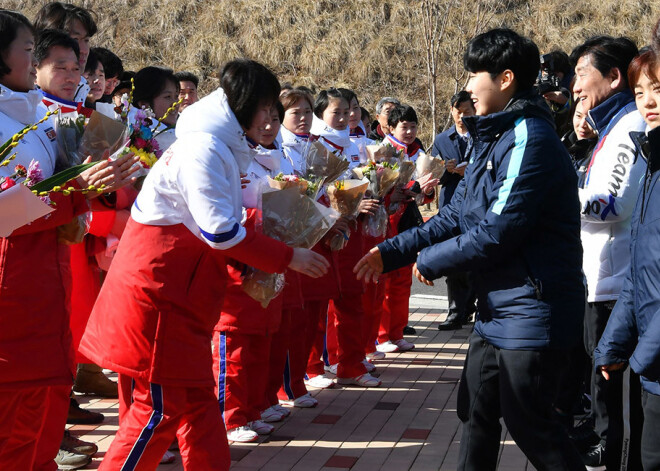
293 146
360 139
411 151
336 140
162 297
35 341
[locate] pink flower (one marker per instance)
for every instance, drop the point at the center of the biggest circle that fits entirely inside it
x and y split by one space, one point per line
46 200
34 173
140 143
7 183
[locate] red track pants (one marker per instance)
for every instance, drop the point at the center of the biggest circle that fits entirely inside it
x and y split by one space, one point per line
396 305
372 302
344 340
32 423
157 414
240 367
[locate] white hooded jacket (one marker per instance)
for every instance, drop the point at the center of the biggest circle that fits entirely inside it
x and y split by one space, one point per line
18 110
336 140
266 163
197 180
293 146
608 199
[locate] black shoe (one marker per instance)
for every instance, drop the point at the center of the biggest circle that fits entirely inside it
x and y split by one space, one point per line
79 416
594 458
407 330
583 436
450 324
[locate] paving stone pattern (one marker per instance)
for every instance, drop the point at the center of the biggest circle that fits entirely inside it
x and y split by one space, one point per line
409 423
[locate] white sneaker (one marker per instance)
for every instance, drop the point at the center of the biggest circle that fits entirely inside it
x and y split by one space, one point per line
271 415
376 356
403 345
386 347
282 410
243 434
331 369
369 366
168 458
365 380
261 427
304 401
320 382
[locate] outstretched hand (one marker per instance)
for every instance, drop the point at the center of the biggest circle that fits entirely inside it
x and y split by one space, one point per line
605 369
309 263
420 277
109 175
370 267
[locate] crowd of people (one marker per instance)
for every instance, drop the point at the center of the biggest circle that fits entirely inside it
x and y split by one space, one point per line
545 232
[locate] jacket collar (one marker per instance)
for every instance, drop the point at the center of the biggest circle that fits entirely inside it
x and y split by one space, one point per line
527 103
604 114
20 106
648 145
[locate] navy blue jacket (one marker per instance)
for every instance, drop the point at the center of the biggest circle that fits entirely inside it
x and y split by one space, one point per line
450 146
633 330
514 222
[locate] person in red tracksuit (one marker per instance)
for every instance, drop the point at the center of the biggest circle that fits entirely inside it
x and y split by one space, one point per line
402 122
154 318
242 337
36 357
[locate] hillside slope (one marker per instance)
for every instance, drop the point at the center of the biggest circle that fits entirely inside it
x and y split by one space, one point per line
376 47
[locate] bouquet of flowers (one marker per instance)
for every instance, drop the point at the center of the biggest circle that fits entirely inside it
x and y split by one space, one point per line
345 197
406 171
382 178
384 153
427 164
292 218
78 137
24 194
304 186
323 164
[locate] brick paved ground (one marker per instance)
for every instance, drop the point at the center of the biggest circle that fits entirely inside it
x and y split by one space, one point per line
408 423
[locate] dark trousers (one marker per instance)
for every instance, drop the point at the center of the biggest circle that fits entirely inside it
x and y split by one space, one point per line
461 297
596 316
519 386
651 432
615 404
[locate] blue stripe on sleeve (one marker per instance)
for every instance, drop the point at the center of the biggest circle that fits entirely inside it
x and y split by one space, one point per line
513 170
223 236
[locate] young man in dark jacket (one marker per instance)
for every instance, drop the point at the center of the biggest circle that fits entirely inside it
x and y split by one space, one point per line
514 222
452 145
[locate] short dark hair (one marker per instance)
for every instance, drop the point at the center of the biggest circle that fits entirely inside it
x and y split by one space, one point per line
50 38
561 62
10 24
349 95
58 15
500 49
645 63
323 100
460 97
112 64
364 113
186 76
401 113
150 82
607 53
280 110
248 84
92 62
291 96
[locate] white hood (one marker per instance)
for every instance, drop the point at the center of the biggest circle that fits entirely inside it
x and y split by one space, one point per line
20 106
212 115
339 138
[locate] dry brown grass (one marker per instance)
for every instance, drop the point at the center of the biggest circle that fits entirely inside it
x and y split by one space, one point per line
374 47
